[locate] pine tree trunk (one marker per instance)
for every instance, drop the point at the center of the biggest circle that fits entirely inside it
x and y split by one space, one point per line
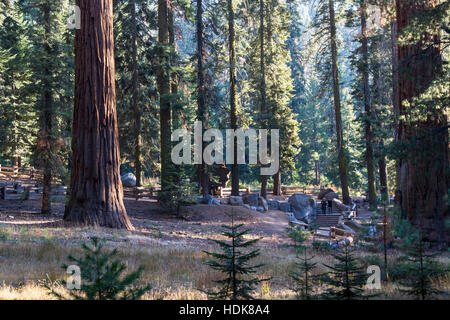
163 83
367 110
96 193
45 143
263 107
174 76
277 184
316 162
233 96
202 169
343 170
136 109
424 168
383 177
395 101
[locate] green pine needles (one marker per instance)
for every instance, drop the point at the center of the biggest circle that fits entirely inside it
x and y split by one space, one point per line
234 263
423 269
102 276
305 282
346 279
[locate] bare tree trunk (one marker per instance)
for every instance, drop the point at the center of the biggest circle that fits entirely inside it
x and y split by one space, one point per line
277 184
395 101
424 167
263 107
136 108
367 110
163 82
96 193
343 170
233 96
45 141
173 76
316 162
202 112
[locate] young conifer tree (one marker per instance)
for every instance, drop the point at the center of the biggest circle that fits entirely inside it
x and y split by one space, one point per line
424 269
102 276
234 263
302 276
346 279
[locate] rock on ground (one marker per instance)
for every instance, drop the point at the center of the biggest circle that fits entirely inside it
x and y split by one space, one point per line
251 199
303 206
340 205
331 196
263 203
128 180
273 204
323 193
236 201
284 206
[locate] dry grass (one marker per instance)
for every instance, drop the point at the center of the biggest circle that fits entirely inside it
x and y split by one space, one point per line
29 256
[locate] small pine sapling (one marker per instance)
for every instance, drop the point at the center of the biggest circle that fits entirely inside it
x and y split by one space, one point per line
102 277
346 279
235 264
423 269
302 276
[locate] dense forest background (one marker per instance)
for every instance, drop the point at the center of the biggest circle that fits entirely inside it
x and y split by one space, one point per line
324 72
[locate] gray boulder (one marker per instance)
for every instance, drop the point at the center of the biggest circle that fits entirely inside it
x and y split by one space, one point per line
216 202
331 196
284 206
224 200
251 199
263 203
236 201
273 204
303 207
128 180
323 193
260 209
340 205
208 199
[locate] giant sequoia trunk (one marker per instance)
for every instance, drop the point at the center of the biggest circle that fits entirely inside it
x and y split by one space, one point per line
424 166
96 194
368 110
233 96
343 170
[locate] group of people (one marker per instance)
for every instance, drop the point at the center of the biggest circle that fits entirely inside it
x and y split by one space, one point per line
327 206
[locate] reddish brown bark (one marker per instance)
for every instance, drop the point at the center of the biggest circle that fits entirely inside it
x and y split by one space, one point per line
96 194
423 169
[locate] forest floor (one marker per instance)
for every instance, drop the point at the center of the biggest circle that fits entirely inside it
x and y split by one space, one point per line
33 247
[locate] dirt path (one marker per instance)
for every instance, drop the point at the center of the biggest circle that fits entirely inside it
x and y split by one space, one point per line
199 224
